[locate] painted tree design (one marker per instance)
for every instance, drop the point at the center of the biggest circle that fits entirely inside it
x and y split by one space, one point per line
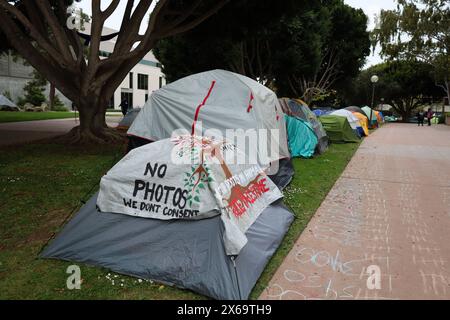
200 148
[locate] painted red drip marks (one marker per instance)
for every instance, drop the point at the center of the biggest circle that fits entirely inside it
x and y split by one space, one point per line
197 111
276 112
247 196
250 102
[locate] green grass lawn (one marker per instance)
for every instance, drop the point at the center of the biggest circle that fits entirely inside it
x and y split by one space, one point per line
41 184
9 116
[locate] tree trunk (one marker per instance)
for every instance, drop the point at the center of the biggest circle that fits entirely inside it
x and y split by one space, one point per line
93 128
51 98
405 115
447 87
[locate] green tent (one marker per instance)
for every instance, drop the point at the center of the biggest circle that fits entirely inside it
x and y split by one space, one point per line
302 139
338 129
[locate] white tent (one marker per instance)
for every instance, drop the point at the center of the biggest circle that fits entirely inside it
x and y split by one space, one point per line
352 119
218 100
6 104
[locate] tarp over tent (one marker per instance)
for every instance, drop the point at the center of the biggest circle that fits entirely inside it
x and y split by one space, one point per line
7 105
338 129
190 177
301 137
300 110
219 100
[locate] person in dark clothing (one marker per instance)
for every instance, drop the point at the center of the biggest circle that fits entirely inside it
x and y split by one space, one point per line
429 116
420 117
124 106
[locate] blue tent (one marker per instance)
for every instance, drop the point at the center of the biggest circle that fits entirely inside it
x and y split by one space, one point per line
301 137
318 112
360 132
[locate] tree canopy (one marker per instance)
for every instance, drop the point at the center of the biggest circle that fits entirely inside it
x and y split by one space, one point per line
405 85
418 30
303 50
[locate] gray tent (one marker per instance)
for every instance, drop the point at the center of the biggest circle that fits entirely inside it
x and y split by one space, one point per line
186 254
7 105
128 119
356 109
299 109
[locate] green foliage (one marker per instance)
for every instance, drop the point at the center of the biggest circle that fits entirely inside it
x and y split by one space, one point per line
21 101
34 90
7 116
235 39
403 84
295 42
58 105
418 30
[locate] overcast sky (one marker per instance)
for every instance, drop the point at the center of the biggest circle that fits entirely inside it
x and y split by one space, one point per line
370 7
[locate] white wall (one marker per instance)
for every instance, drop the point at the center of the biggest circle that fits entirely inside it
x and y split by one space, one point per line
154 73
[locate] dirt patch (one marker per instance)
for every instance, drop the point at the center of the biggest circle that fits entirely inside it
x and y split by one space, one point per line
49 224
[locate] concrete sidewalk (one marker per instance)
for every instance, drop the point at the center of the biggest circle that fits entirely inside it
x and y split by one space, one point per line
389 211
15 133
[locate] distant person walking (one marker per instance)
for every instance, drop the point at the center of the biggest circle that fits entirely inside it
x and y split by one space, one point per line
420 118
429 116
124 106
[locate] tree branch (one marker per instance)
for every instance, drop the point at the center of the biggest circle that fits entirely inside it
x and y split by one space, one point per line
49 68
57 30
110 9
33 32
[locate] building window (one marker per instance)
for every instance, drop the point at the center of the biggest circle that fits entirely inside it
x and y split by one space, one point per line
131 80
128 96
160 82
104 54
143 81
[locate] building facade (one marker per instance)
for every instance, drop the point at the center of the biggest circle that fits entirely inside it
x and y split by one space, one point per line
137 86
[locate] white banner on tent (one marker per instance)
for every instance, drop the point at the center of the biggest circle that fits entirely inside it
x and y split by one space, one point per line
189 178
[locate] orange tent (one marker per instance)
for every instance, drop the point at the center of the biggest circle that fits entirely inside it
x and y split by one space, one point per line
363 121
379 118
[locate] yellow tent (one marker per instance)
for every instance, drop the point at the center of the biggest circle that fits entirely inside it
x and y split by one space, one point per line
363 121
